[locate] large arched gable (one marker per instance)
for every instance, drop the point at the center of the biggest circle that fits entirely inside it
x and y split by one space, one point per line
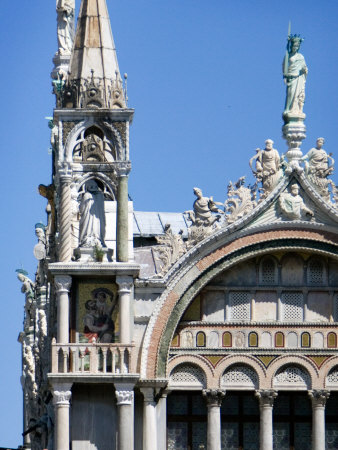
182 289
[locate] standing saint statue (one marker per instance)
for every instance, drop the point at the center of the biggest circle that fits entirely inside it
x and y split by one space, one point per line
294 74
92 220
65 25
268 169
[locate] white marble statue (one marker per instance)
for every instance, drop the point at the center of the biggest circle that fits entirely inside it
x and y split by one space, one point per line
65 25
203 209
267 169
318 166
292 205
92 220
294 73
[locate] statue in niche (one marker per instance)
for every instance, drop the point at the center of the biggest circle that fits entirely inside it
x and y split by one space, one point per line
292 205
203 209
92 149
267 168
65 25
318 168
294 73
92 220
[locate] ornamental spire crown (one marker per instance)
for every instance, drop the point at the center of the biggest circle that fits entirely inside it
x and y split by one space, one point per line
94 79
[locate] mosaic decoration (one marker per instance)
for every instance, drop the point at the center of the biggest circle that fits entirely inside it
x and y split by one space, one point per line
306 340
200 339
279 339
253 339
176 341
227 339
332 340
266 360
97 312
319 360
214 360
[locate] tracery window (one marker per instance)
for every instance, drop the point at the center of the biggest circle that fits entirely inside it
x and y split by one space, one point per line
268 274
239 305
315 272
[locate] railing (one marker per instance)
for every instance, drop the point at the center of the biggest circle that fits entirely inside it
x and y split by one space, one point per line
92 358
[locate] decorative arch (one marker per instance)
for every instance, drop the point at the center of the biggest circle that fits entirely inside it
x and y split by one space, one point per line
199 266
106 181
238 377
291 377
243 360
299 361
195 361
108 130
268 271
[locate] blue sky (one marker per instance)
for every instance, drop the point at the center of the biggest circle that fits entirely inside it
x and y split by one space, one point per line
206 84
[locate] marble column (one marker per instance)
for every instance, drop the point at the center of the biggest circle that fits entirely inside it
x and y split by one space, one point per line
125 405
266 399
65 247
214 399
149 419
122 213
61 399
318 398
62 284
161 416
125 286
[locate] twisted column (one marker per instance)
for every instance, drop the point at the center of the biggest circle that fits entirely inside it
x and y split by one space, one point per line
62 285
318 398
214 399
266 399
65 235
125 405
61 399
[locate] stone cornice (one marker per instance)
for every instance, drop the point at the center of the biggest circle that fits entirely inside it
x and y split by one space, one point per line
174 351
93 378
114 115
253 325
76 268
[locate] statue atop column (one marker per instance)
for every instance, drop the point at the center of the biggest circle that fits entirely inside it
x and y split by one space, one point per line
294 74
65 25
267 168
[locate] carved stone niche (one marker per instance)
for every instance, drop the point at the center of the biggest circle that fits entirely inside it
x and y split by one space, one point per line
93 147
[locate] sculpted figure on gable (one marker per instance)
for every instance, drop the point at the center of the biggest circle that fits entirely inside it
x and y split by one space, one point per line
318 166
267 167
292 205
65 25
203 208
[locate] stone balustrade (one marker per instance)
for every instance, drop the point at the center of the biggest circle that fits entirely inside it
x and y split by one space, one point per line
95 358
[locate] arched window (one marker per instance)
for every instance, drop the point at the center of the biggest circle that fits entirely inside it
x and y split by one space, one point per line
315 272
332 340
279 339
306 339
239 377
200 339
227 339
268 274
253 339
187 375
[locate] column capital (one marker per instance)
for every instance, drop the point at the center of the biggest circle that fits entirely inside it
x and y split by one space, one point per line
62 394
213 397
319 397
123 168
65 173
125 284
148 394
266 397
124 393
62 283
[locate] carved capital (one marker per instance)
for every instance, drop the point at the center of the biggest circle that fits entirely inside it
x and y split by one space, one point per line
124 397
125 284
266 397
319 397
62 394
213 397
123 168
65 173
62 283
148 394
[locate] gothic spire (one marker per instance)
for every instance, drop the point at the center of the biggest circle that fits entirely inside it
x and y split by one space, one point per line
93 66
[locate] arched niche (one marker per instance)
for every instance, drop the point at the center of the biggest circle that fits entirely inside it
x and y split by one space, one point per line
187 375
292 377
239 377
